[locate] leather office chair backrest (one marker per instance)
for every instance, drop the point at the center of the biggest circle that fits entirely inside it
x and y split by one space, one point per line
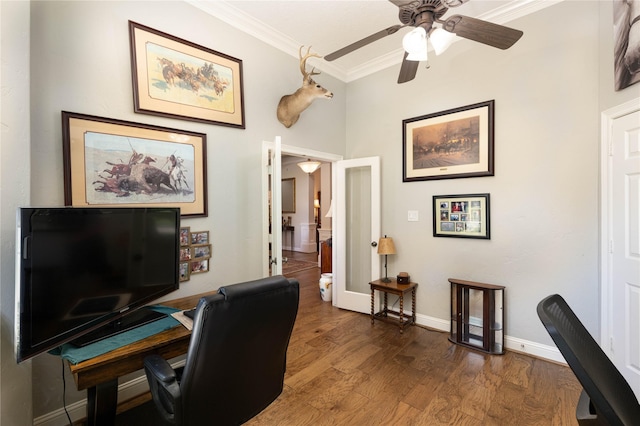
610 395
237 355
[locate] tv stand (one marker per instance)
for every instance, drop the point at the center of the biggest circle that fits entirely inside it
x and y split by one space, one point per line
128 322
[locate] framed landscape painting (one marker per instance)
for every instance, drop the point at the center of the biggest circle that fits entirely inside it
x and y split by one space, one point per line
115 163
180 79
456 143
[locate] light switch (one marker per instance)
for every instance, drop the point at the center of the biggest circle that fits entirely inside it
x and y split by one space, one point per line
412 216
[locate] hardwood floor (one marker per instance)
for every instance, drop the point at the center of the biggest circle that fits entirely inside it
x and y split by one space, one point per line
341 370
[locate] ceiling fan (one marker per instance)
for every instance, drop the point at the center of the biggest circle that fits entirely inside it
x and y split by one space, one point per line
422 14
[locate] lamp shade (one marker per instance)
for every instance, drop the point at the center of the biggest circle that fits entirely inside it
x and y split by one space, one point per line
330 211
309 166
415 44
441 40
386 246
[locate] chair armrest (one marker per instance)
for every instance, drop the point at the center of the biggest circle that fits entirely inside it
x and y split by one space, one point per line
159 368
164 387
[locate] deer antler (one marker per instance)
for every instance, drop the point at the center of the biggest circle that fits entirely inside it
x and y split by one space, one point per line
303 63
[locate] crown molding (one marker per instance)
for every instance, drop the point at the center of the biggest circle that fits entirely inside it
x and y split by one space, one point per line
233 16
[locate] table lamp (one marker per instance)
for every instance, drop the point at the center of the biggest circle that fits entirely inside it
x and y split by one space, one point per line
386 247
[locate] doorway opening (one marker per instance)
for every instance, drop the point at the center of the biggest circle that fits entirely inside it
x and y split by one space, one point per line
301 222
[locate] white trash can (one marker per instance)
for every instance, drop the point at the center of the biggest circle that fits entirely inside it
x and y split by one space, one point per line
325 287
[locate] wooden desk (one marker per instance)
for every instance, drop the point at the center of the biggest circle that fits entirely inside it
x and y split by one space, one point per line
99 375
393 287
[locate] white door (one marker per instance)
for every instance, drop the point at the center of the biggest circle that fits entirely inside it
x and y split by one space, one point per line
356 227
621 195
272 197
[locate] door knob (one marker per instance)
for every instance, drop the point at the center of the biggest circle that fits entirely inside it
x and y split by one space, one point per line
374 244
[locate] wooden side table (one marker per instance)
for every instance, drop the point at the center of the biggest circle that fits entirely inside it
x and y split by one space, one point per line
399 290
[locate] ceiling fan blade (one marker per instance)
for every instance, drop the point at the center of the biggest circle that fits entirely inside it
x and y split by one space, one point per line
482 31
361 43
408 70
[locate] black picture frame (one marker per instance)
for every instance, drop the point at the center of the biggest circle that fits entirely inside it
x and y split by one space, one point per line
462 216
456 143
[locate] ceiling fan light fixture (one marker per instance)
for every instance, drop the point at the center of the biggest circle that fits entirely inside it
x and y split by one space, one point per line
441 40
415 44
309 166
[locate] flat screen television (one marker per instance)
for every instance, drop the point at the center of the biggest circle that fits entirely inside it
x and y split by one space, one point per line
78 269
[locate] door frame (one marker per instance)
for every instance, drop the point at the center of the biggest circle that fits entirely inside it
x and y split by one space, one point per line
606 192
288 150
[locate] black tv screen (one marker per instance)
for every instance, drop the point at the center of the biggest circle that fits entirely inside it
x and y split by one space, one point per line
80 268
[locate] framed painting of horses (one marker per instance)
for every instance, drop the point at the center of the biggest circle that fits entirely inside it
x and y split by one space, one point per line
456 143
111 162
176 78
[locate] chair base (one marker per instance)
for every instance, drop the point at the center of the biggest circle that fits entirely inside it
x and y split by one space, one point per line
585 413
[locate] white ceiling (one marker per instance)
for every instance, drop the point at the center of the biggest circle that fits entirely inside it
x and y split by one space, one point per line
329 25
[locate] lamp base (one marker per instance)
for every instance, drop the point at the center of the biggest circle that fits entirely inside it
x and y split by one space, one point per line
385 280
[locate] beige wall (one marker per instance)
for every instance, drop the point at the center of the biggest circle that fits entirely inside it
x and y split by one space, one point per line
80 63
15 380
549 91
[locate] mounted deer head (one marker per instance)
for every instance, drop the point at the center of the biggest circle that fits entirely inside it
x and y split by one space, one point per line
291 106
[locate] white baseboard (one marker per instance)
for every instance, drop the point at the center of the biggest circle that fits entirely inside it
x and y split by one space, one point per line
78 410
546 352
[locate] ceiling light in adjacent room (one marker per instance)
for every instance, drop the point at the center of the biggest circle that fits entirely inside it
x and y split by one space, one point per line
309 166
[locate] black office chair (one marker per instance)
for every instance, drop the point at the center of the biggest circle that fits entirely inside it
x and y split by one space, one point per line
236 359
606 398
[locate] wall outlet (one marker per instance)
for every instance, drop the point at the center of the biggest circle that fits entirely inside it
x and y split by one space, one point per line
412 216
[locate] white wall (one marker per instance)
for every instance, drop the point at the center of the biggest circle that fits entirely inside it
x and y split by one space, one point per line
15 380
80 63
544 195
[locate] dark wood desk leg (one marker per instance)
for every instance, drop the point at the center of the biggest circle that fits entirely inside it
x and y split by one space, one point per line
400 317
102 403
372 294
385 304
413 305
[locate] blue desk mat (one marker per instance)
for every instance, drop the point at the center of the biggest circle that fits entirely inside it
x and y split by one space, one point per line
75 355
